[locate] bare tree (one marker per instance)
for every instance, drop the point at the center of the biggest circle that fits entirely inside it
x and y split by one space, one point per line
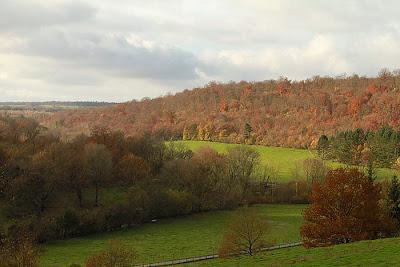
245 234
98 166
241 164
315 170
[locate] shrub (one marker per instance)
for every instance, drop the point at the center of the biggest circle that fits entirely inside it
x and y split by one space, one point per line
68 224
117 215
114 255
18 251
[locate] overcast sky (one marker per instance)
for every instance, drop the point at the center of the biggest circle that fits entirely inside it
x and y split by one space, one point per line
124 49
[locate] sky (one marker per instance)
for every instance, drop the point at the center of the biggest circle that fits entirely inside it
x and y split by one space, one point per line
102 50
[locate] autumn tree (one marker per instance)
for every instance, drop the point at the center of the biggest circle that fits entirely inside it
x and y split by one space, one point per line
185 134
132 168
247 131
344 208
114 255
98 166
32 191
18 251
223 106
246 233
74 176
210 184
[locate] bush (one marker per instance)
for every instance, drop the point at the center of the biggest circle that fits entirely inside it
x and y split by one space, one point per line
139 203
117 215
114 255
91 221
68 224
19 251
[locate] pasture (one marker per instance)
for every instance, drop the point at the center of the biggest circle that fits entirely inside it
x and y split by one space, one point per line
284 160
192 235
381 252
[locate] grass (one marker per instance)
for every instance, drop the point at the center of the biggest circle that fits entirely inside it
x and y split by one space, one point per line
192 235
284 160
382 252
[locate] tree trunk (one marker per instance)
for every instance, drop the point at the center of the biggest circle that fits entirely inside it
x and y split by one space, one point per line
97 195
79 196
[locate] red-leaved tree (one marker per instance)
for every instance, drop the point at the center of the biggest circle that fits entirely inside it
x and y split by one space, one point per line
345 208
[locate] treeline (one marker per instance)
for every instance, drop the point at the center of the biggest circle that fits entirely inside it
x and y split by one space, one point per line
380 148
278 112
57 104
104 181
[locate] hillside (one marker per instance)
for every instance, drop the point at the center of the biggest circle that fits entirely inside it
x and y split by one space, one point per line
43 110
286 162
276 112
381 252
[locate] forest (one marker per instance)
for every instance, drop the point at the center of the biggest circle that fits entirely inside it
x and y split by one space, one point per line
278 112
378 148
57 189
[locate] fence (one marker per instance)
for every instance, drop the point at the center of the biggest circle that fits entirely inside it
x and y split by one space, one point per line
209 257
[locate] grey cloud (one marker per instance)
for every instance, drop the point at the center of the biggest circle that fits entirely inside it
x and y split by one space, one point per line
22 15
113 54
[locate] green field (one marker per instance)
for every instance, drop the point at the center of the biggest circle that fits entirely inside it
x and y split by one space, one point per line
284 160
192 235
382 252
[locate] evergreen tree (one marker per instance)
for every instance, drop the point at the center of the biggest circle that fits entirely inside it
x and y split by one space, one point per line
323 146
393 199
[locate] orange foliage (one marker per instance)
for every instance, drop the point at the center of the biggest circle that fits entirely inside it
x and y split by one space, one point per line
223 107
281 112
345 208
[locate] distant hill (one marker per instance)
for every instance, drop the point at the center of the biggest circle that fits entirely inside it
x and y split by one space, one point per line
52 104
274 112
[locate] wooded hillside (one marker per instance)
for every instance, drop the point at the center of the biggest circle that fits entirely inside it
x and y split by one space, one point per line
274 112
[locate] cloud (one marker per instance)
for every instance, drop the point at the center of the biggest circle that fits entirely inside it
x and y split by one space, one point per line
124 49
116 54
26 15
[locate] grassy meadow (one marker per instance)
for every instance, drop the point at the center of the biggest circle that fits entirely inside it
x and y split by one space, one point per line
166 239
381 252
284 160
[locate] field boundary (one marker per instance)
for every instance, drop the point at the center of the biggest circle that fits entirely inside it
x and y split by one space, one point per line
210 257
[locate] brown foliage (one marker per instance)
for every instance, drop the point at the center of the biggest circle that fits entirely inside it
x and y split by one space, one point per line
246 233
132 168
281 112
115 255
345 208
19 252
